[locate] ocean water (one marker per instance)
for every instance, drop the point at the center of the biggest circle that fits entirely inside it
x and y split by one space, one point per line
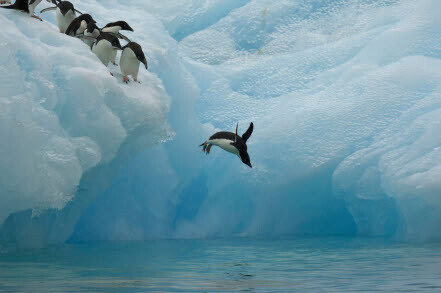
237 265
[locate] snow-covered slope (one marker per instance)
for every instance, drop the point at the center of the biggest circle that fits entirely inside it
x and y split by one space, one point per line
62 114
345 97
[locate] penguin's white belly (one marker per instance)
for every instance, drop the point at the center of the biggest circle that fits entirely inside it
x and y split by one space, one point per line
63 21
82 28
129 63
32 7
115 52
112 29
103 50
224 144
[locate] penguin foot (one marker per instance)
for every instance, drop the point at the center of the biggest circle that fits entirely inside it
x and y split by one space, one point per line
126 79
209 148
34 16
204 146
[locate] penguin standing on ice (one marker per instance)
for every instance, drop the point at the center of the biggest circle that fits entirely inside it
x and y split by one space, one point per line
232 143
104 46
131 56
65 14
79 25
27 6
115 27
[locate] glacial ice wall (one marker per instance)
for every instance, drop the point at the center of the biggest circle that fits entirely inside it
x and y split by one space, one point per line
330 86
345 97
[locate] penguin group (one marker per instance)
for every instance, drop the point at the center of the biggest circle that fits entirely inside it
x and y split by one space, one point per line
104 41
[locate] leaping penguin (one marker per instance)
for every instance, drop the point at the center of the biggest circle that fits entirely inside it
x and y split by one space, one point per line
232 143
79 25
27 6
131 56
65 14
115 27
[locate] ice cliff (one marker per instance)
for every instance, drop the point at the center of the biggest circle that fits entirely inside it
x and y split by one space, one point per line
345 97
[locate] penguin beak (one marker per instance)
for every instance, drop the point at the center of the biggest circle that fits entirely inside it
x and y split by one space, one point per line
145 64
249 164
129 28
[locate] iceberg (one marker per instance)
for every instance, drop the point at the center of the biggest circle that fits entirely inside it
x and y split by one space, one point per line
345 97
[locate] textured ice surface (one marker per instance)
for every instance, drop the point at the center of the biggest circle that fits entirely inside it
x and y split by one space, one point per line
345 97
62 114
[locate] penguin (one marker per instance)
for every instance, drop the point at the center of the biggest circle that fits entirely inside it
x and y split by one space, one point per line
115 27
27 6
93 32
79 25
232 143
131 56
65 14
104 46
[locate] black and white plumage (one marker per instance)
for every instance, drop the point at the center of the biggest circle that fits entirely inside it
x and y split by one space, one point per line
92 32
231 142
131 56
27 6
104 46
65 14
115 28
79 25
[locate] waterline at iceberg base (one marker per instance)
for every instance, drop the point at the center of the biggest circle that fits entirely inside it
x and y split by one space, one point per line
345 97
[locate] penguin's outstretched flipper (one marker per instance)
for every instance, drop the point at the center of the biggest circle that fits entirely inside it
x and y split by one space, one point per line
119 36
83 37
247 133
48 9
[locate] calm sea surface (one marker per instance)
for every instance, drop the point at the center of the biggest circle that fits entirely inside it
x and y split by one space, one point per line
294 265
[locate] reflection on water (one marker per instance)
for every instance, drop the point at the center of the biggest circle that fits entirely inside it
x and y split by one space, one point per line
326 265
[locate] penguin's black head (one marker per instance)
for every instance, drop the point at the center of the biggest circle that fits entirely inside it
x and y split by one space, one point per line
86 17
65 7
91 26
137 49
112 39
116 44
125 26
245 158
